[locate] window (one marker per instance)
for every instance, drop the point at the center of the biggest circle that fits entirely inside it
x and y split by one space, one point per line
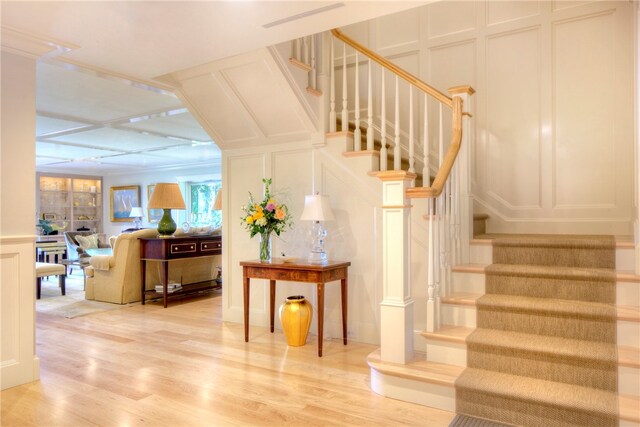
201 197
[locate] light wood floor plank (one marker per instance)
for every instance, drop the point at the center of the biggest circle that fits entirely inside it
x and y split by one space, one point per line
183 366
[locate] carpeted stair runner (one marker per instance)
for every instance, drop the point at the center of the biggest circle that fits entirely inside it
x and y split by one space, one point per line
544 351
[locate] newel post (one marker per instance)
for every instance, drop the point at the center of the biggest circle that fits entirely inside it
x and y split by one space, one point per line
396 308
464 171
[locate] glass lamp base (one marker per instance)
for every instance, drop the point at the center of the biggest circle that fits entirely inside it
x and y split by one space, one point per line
317 258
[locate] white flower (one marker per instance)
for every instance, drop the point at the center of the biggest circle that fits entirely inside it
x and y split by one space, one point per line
262 221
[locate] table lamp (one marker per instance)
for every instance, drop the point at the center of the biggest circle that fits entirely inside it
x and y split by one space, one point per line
317 208
137 214
217 205
166 196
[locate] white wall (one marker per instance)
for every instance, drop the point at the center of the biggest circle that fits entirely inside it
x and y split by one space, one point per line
298 170
17 214
554 103
143 179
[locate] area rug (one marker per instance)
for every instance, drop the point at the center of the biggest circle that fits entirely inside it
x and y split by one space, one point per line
73 303
467 421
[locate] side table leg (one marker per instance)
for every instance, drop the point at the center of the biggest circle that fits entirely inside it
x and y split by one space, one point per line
320 317
343 284
246 281
165 282
143 272
272 299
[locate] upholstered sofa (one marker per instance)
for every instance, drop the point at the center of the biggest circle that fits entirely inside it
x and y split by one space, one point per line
117 278
74 251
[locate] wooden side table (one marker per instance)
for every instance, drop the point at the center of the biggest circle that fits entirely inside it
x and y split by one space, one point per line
296 272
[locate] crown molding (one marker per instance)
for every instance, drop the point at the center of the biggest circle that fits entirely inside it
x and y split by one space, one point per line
32 46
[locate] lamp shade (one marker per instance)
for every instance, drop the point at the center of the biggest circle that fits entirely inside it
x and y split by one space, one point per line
317 208
136 213
166 195
217 205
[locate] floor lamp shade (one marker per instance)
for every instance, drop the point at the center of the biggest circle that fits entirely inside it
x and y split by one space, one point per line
166 196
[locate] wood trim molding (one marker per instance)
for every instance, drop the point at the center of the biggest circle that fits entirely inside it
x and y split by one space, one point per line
448 161
456 90
8 240
30 45
393 68
395 175
362 153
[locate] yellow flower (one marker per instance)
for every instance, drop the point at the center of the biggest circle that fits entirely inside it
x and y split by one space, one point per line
279 214
249 219
258 215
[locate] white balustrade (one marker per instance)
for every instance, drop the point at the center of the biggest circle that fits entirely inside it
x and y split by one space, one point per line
449 214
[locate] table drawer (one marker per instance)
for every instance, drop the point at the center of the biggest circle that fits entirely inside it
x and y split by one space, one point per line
183 248
210 246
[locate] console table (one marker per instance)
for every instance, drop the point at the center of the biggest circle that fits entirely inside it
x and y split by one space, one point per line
296 272
176 248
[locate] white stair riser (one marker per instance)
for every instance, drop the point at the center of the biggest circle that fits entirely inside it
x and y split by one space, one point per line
463 281
625 259
480 254
456 354
446 352
458 315
628 333
426 394
483 254
628 293
629 380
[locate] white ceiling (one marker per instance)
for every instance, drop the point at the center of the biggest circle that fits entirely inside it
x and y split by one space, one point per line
99 109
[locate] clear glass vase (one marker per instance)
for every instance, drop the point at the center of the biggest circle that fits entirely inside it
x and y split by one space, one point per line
265 247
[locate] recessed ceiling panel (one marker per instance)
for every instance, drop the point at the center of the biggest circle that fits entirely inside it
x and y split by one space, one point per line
48 125
200 153
117 139
182 125
264 94
42 161
136 160
68 151
217 105
84 94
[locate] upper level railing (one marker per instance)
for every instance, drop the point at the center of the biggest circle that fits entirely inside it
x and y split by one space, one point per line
413 139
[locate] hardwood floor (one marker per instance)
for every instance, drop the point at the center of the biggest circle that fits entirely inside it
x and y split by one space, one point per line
183 366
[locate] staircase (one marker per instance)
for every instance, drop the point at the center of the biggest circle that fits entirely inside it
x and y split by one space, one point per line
520 330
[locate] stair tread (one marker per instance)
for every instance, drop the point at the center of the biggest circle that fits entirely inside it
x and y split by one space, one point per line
450 333
546 392
556 306
627 356
623 312
418 369
621 241
559 272
621 275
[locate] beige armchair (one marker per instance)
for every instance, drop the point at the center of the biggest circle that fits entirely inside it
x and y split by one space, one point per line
117 278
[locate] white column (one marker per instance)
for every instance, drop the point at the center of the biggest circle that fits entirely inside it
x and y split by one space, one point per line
19 363
636 227
396 308
464 164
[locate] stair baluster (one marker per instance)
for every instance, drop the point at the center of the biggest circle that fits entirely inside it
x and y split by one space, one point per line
332 84
357 137
370 136
383 133
345 109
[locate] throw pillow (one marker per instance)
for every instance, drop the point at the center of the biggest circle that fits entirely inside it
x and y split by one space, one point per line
88 242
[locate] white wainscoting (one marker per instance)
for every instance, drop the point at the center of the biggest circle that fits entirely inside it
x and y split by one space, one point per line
18 361
553 117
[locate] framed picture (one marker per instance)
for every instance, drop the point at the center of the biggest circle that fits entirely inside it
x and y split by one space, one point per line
154 215
49 216
121 201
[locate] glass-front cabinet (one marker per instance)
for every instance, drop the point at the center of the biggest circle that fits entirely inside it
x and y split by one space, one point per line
69 203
